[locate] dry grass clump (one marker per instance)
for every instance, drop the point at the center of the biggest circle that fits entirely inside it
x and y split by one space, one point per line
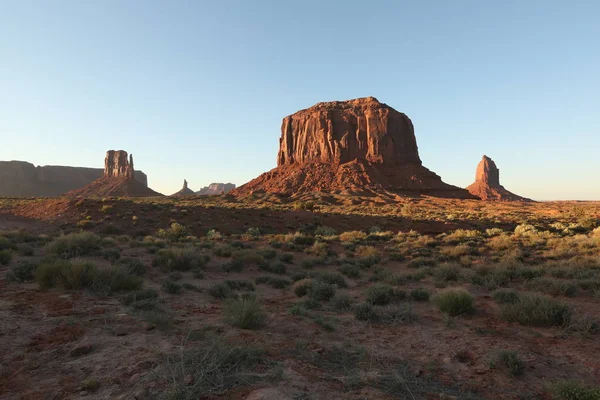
455 302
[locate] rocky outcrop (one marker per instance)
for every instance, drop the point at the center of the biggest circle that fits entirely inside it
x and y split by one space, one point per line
20 178
487 183
343 131
117 180
358 145
216 188
185 191
116 164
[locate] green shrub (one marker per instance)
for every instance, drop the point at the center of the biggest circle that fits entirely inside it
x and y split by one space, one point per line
172 287
304 240
350 270
111 255
5 257
279 283
223 251
244 313
302 287
537 310
396 314
80 275
268 254
455 302
380 294
25 250
553 287
220 290
286 257
342 302
276 267
512 361
6 243
365 312
447 272
299 275
570 390
325 231
505 296
240 285
175 232
332 278
74 245
133 266
22 272
321 291
419 294
179 259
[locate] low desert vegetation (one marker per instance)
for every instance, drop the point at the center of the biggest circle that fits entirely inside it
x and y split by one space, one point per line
223 296
455 302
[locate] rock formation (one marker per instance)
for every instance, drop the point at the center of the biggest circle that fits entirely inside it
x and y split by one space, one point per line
116 164
216 188
20 178
487 183
356 145
117 180
185 191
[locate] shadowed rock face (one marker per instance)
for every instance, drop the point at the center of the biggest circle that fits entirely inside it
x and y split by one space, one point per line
20 178
357 145
487 183
341 131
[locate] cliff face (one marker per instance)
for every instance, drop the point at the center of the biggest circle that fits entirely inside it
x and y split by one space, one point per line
487 183
20 178
358 145
116 164
341 131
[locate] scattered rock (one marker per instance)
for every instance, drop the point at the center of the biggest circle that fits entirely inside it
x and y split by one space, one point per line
80 350
120 330
141 394
487 183
148 326
359 145
481 369
84 393
268 394
189 380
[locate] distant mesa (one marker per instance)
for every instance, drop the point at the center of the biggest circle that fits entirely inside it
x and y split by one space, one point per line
23 179
487 183
185 191
216 188
117 180
349 146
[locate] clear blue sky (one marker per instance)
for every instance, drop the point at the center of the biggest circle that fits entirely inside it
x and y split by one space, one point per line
197 89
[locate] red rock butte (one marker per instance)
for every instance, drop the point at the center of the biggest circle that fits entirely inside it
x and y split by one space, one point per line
118 179
487 183
356 145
